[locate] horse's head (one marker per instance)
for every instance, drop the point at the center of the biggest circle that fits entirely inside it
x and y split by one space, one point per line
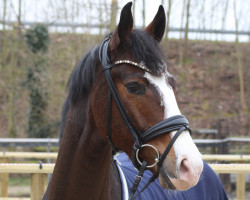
146 90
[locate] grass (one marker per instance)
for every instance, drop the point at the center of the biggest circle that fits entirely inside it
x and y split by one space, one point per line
44 149
19 180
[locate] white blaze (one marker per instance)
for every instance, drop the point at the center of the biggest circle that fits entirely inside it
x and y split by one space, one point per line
184 146
167 95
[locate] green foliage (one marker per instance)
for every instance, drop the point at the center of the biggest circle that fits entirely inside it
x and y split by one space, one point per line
22 180
37 38
188 61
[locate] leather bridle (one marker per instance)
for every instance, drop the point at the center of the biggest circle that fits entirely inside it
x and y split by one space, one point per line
176 123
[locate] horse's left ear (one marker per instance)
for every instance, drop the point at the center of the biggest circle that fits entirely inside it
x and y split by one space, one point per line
157 27
124 28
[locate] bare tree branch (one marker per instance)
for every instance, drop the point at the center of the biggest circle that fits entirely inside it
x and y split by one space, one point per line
239 60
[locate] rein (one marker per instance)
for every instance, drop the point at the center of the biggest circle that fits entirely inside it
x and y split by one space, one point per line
176 123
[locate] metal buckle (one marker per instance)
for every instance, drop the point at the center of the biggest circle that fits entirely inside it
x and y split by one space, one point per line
156 159
140 177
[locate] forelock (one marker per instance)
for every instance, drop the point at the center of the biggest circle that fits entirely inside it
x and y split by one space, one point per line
145 48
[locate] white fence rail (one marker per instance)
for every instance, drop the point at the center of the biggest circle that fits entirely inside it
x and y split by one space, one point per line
31 142
39 178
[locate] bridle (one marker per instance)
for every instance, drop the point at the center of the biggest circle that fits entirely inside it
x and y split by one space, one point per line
175 123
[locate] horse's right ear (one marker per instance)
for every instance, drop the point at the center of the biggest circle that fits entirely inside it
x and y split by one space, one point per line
124 28
157 27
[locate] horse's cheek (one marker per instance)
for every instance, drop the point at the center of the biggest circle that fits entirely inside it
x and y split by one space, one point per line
99 112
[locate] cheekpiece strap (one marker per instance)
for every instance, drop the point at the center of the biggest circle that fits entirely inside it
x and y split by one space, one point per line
106 64
103 54
138 179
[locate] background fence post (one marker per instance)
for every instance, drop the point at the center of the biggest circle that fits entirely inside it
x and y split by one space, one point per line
38 186
240 186
4 181
223 132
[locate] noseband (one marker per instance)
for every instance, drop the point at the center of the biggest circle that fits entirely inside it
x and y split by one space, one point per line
176 123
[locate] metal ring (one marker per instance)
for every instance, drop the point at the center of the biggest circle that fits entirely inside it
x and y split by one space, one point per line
156 159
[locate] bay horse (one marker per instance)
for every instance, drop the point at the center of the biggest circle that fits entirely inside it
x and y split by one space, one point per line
121 98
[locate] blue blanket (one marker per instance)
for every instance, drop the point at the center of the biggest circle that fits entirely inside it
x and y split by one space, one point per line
209 186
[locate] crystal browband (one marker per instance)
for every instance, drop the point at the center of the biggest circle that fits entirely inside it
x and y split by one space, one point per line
141 66
134 64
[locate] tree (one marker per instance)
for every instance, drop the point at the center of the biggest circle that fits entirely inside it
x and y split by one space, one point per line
114 7
168 19
3 56
10 50
224 15
143 14
180 40
134 11
186 30
3 50
37 39
100 17
239 60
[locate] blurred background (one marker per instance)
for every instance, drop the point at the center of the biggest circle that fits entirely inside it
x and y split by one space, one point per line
206 46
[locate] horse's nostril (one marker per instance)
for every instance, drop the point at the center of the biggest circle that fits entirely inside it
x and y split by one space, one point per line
190 170
183 167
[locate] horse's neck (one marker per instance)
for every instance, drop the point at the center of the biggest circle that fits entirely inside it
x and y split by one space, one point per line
83 166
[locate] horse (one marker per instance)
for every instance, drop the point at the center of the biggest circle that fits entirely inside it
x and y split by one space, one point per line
121 98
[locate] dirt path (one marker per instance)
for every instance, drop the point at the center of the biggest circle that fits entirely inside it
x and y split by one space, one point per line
24 191
19 191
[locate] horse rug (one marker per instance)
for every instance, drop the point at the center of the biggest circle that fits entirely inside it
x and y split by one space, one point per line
209 186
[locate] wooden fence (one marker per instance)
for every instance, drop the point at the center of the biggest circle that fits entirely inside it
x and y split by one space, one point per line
38 178
49 155
38 173
48 142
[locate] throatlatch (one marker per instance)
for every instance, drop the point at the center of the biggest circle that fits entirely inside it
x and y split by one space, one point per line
176 123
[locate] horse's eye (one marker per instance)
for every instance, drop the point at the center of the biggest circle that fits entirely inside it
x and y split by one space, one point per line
136 88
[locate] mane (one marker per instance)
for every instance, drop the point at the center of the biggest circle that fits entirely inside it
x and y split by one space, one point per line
80 82
143 47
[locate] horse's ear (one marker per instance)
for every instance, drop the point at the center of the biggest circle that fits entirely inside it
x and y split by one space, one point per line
157 27
125 26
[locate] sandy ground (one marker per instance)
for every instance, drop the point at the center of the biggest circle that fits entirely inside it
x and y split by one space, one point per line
19 191
24 191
